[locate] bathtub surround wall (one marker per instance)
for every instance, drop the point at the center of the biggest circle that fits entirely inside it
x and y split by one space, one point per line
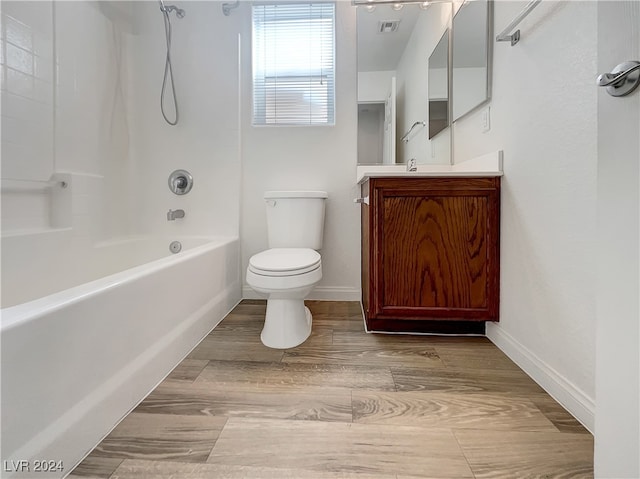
64 145
91 129
307 158
27 79
74 166
99 129
80 129
547 130
205 142
108 133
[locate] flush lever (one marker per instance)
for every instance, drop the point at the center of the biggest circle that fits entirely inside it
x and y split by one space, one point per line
622 80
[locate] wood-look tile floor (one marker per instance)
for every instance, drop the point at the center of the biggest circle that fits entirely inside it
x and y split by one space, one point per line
345 404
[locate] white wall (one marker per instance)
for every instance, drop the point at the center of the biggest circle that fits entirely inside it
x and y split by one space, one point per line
413 88
547 130
373 87
313 158
617 442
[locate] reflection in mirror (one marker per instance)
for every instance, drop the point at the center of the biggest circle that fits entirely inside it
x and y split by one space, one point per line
472 35
393 47
370 132
439 87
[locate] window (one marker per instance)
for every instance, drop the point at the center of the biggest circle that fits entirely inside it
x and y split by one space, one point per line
293 64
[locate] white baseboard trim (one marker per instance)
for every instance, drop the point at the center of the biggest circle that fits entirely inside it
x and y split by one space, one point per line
581 406
335 293
321 293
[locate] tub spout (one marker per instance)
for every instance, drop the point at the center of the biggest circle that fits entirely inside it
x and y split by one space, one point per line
172 215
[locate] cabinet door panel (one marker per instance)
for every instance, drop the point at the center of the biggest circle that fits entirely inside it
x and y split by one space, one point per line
434 251
430 257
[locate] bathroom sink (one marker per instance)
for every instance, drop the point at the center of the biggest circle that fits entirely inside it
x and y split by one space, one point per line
481 166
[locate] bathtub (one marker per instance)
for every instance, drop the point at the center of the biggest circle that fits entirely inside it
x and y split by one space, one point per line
76 361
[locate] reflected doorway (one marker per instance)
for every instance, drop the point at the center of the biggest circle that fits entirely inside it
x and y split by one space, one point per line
370 133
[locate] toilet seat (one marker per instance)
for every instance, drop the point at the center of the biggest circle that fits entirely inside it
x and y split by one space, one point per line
284 262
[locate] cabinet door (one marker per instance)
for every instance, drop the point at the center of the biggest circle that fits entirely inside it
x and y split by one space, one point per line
365 237
437 244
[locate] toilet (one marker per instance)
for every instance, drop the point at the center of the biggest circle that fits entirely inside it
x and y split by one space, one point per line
291 267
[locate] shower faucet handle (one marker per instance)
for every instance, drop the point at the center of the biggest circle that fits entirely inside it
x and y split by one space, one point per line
180 182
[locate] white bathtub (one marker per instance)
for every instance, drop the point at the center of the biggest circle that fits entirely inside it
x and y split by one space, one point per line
76 361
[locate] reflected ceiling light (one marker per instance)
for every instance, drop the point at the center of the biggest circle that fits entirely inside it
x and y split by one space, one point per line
425 5
371 8
397 6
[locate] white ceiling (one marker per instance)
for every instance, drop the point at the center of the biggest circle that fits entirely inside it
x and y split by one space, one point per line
382 51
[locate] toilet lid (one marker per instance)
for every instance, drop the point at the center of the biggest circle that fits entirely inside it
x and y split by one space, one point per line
284 261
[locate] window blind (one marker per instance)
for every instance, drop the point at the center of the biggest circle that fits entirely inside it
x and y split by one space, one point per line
293 64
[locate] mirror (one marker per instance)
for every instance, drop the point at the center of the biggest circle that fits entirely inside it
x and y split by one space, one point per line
472 41
394 46
439 87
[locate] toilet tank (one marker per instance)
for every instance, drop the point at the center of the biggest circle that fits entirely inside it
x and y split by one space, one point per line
295 219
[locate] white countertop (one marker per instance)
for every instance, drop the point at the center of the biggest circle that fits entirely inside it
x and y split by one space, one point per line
482 166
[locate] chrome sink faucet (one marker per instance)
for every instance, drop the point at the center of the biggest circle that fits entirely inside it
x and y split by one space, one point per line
172 215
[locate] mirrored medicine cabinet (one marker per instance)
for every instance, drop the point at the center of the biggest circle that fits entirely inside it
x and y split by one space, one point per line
419 69
471 56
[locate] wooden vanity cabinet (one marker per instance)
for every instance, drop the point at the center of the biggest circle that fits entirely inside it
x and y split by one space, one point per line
430 253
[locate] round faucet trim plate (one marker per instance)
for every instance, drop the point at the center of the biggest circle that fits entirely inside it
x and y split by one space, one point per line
180 182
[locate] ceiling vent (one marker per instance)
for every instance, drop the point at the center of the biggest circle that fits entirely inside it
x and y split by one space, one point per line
389 26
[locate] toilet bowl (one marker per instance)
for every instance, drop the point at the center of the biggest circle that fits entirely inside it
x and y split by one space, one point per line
287 276
288 271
